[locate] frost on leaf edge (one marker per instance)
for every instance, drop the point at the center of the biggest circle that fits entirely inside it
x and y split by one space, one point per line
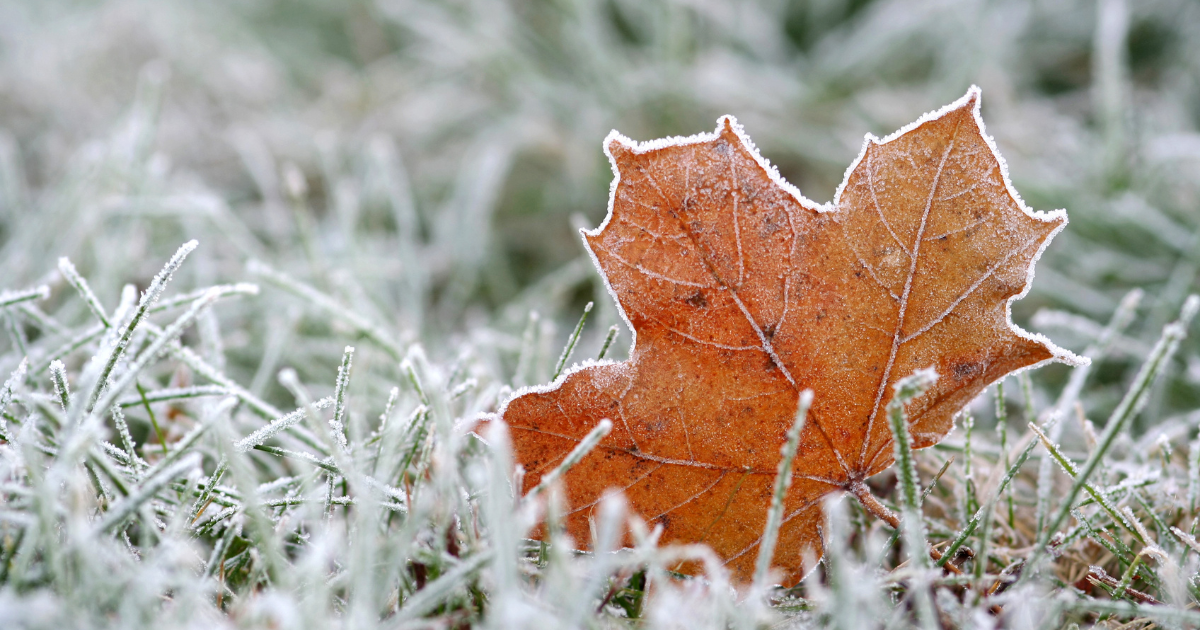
633 146
974 96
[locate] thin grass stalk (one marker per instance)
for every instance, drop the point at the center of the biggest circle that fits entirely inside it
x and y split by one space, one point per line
1125 555
67 269
383 436
844 594
970 503
223 290
353 483
282 423
168 394
337 424
151 352
1002 430
990 504
907 389
126 306
1097 494
1129 406
1129 610
608 339
985 539
390 440
418 429
912 521
783 481
1143 533
146 491
337 455
608 529
1121 318
364 583
158 432
1193 487
103 463
525 358
1187 539
314 297
16 333
157 285
260 529
499 507
6 395
936 478
138 465
185 444
10 384
12 298
41 319
1122 588
388 408
585 446
556 556
205 495
74 343
428 599
203 368
58 376
323 464
570 347
414 379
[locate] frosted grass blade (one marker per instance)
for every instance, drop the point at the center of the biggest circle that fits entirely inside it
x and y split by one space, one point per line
783 481
67 268
157 285
1129 406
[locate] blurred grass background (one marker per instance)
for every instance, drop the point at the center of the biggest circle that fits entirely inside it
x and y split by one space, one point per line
427 164
441 155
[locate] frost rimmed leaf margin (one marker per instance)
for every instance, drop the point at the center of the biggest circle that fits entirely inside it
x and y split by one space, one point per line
691 207
1062 355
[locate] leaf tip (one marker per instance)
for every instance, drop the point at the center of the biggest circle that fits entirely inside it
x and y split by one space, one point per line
728 127
1057 354
972 98
1063 355
1054 218
617 147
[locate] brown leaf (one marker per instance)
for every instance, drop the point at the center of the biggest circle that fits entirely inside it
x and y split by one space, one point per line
742 293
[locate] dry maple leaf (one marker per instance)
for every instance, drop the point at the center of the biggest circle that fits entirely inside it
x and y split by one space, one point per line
741 293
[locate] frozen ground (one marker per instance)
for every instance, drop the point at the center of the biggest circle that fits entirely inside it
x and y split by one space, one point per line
407 178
